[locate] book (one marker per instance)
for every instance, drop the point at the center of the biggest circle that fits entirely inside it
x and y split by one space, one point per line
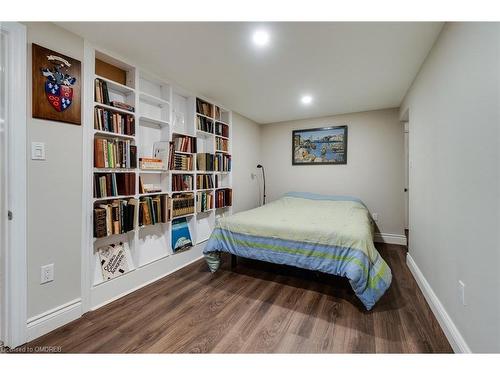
204 181
182 204
121 105
114 260
150 163
114 122
114 153
181 237
205 162
204 124
153 210
204 201
223 198
204 108
182 182
115 217
221 129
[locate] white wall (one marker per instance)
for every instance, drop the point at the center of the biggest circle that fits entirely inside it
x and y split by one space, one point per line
454 116
246 149
374 171
54 190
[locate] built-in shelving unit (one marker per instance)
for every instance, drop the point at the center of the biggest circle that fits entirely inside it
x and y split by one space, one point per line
161 113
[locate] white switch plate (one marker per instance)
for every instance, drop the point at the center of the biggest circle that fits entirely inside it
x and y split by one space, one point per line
47 273
37 151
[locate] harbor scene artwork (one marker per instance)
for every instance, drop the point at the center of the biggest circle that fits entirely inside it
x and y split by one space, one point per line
320 146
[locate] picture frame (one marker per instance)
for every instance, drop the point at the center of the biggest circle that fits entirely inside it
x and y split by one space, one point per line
56 86
320 146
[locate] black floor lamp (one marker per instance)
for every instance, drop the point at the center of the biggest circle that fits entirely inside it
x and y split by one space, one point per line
264 179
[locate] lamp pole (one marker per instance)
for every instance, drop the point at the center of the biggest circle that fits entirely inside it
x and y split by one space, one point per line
264 179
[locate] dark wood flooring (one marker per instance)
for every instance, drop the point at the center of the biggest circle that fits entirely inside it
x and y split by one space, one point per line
258 308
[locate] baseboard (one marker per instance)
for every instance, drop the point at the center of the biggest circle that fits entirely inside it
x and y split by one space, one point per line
395 239
449 328
57 317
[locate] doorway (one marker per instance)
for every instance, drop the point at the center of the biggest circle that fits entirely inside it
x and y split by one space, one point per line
407 175
12 183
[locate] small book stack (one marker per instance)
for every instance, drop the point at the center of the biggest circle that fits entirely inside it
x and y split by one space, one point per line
204 108
113 184
223 198
221 129
110 121
221 144
204 201
116 217
204 124
114 153
204 181
152 164
182 182
205 162
222 162
154 210
182 204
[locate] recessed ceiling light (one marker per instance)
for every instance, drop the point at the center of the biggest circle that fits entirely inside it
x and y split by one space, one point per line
306 99
261 38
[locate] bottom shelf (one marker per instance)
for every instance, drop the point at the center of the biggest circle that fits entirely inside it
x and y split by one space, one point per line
105 292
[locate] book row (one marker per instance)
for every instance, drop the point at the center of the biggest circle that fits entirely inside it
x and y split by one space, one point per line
204 124
204 201
204 107
180 162
113 184
154 210
221 144
221 129
184 143
182 204
205 162
110 121
223 198
222 162
116 217
204 181
114 153
182 182
101 95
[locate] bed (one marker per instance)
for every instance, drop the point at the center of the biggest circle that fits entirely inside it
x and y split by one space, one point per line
331 234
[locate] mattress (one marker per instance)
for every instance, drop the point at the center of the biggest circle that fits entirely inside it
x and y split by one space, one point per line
331 234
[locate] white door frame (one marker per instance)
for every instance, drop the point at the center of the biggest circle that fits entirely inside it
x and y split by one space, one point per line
14 285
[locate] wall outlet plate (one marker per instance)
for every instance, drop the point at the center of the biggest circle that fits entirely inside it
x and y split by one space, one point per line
375 216
47 273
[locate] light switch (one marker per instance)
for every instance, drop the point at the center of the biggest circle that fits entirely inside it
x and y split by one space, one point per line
37 151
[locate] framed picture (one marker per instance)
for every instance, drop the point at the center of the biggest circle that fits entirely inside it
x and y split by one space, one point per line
56 86
320 146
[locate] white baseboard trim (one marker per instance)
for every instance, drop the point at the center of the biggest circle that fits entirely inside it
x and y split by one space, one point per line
449 328
395 239
41 324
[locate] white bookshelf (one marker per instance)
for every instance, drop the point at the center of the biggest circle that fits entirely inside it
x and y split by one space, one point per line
162 111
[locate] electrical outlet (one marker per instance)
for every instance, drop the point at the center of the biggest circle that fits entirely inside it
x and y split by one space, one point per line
375 216
47 273
461 292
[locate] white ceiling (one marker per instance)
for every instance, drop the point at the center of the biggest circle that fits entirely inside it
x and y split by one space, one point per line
346 67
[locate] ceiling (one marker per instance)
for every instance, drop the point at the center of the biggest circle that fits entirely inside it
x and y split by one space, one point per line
345 67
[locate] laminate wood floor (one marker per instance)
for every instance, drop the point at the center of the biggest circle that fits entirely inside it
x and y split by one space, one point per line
258 308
